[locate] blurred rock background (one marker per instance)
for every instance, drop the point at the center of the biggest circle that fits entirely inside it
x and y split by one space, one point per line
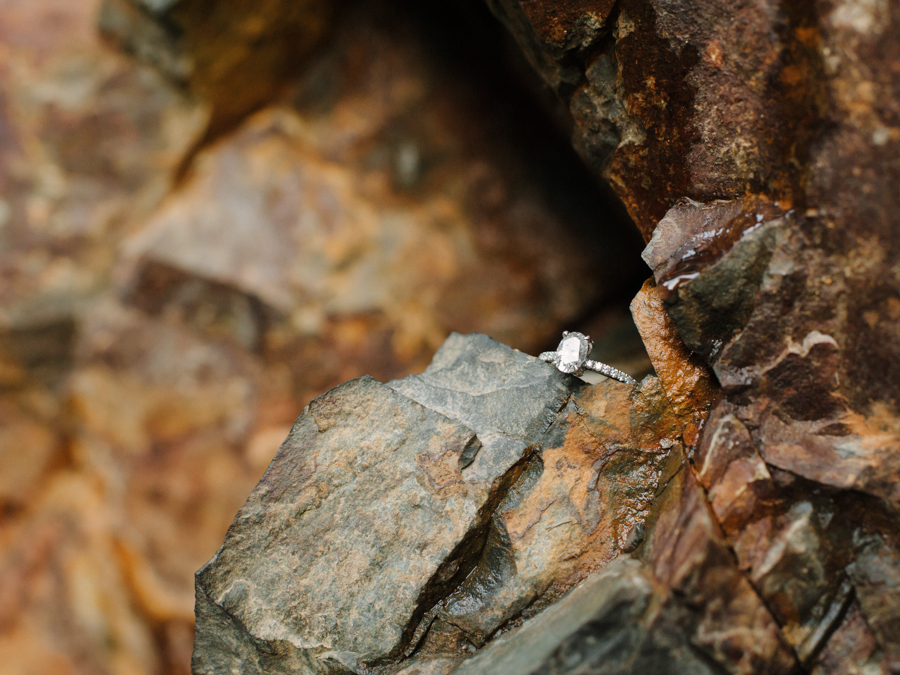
212 212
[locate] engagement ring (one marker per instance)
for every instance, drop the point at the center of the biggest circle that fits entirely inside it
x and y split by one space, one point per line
572 357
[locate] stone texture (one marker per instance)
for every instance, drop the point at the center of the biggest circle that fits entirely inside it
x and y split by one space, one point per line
143 390
689 385
586 484
789 412
77 167
432 487
560 477
709 597
88 145
494 390
595 628
366 514
616 621
755 145
680 100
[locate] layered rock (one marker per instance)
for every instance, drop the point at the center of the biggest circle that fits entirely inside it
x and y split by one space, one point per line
233 56
401 527
755 145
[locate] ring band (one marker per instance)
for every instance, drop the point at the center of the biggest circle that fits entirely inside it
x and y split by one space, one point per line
571 356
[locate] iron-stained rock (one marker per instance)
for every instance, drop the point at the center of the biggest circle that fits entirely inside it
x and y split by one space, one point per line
595 455
616 622
707 596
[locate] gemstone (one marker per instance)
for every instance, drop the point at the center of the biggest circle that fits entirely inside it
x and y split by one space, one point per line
572 352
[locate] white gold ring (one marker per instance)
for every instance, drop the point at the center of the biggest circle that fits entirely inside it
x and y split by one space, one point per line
571 356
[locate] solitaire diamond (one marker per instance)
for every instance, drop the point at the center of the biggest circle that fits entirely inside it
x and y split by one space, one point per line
572 352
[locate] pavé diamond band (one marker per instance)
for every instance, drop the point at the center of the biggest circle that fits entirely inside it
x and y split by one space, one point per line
571 356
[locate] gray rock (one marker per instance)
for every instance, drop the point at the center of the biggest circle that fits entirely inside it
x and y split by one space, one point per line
418 518
508 398
594 625
360 523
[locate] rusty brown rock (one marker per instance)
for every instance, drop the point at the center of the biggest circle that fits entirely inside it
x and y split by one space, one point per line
681 100
709 595
234 56
792 309
574 508
789 412
689 385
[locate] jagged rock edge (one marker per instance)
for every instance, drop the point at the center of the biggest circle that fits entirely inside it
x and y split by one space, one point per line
417 631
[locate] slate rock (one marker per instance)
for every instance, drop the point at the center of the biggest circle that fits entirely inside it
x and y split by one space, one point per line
497 391
591 456
595 628
799 462
615 622
852 649
399 525
359 522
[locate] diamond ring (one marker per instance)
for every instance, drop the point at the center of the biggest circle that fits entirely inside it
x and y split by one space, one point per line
571 357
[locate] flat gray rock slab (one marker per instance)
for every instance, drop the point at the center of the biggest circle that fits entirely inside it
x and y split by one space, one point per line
508 398
592 629
615 622
356 528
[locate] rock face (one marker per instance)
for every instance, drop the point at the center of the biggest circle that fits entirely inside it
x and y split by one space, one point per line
401 526
756 146
294 193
